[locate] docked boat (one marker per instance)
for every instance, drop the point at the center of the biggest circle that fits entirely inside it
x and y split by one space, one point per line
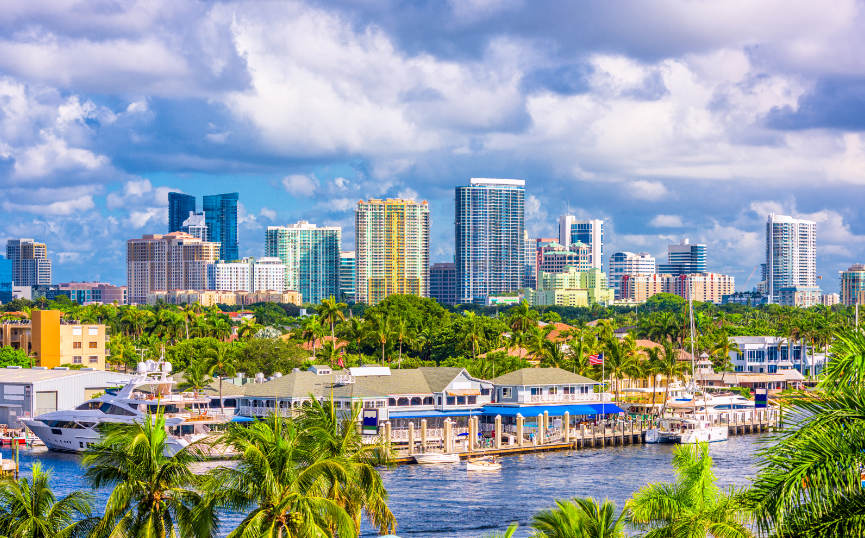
187 416
436 459
686 431
483 464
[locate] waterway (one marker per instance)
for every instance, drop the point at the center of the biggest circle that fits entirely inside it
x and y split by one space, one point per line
439 501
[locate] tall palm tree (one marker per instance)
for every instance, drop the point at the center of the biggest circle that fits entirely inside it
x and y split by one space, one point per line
721 351
692 505
330 311
402 332
618 359
473 332
328 435
580 518
381 330
154 494
328 353
196 376
223 363
809 483
653 365
29 509
282 488
311 330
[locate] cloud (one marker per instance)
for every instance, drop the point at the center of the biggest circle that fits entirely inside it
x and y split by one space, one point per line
300 185
666 221
268 213
651 191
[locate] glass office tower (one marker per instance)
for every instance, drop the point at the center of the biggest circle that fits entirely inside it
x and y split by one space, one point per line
220 214
179 207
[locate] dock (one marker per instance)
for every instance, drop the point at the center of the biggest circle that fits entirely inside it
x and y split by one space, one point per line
618 433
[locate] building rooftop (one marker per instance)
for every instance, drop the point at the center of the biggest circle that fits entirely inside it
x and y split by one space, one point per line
541 376
28 375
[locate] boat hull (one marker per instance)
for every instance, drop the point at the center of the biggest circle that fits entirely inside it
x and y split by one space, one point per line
436 459
713 434
656 436
79 439
483 466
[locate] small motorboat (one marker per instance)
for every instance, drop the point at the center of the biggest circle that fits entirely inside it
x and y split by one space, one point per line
436 459
483 464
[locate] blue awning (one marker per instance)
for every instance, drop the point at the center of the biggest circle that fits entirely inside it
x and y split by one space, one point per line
434 413
535 410
607 408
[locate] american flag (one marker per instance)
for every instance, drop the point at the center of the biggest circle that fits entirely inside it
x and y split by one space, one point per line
596 359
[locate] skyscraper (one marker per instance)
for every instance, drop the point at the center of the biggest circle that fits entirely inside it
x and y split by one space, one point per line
443 283
392 249
195 225
311 257
628 263
347 276
30 263
684 258
489 226
853 285
220 215
175 261
179 207
791 254
5 280
248 274
589 232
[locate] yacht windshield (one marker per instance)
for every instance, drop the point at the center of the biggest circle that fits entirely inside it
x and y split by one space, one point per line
111 409
86 406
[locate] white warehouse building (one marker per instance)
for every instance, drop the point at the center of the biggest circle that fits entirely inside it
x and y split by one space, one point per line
30 392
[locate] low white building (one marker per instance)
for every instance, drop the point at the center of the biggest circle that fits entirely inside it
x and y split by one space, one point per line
29 392
763 354
248 274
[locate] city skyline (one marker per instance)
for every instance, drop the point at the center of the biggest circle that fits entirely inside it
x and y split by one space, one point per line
700 133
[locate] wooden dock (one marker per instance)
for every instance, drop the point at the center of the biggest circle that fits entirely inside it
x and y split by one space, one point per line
578 437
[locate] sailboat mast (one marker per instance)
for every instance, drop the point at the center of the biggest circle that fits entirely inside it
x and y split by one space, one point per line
691 320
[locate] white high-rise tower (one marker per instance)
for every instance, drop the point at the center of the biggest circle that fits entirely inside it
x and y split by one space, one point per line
590 232
791 254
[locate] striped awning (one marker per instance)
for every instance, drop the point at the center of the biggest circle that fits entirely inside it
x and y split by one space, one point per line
464 392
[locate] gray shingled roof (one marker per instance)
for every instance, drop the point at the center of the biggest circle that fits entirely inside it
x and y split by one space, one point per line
540 376
407 381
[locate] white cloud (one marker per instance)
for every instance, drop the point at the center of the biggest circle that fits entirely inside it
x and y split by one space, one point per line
300 185
59 207
268 213
666 221
407 193
646 190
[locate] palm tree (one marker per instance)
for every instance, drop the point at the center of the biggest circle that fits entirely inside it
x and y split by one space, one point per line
223 363
196 376
332 436
809 483
28 508
154 494
580 518
618 359
330 311
692 505
328 353
653 365
473 331
402 332
553 356
381 330
311 331
282 488
247 330
721 351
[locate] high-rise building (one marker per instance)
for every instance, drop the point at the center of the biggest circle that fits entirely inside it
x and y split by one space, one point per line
347 276
30 263
195 225
175 261
220 214
179 207
589 232
489 226
311 257
791 254
571 287
443 283
684 258
392 249
853 285
555 258
248 274
530 263
5 280
628 263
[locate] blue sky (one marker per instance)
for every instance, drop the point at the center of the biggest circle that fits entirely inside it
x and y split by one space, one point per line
669 119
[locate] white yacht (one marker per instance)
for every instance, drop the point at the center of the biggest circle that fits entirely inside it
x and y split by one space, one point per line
687 431
187 416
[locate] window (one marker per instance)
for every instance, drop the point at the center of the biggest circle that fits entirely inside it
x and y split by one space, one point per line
76 359
428 400
92 331
92 359
416 401
485 392
76 345
554 390
76 331
507 392
461 400
92 345
536 391
402 401
451 400
473 400
391 401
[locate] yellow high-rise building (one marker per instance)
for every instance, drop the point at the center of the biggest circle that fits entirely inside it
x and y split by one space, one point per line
392 249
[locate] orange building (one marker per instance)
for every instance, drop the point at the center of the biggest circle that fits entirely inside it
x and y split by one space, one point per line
52 342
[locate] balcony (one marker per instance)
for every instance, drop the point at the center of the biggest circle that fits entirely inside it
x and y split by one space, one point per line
546 398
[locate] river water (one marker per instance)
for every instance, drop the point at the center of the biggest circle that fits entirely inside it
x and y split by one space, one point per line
447 501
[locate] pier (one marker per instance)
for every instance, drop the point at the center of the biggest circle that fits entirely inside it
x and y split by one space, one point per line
503 440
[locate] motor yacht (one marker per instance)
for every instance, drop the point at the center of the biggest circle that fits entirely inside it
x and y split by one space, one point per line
188 416
686 431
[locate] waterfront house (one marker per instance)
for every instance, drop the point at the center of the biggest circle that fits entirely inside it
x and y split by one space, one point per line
530 386
764 354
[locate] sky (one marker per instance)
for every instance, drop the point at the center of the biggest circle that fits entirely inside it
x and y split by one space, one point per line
668 119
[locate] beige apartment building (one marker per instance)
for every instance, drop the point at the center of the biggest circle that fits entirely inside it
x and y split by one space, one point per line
174 261
51 341
704 287
208 298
